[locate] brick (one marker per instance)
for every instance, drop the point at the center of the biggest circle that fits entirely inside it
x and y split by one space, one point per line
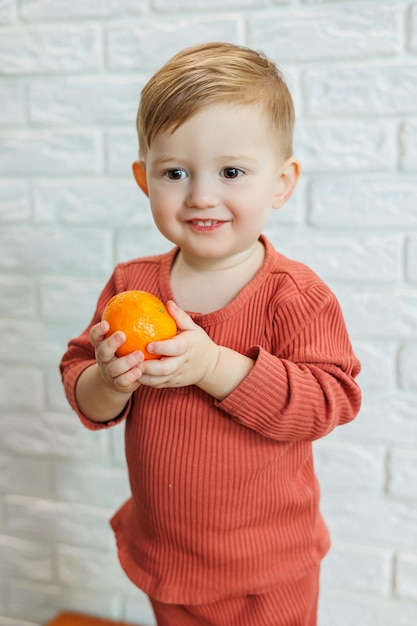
345 33
9 621
350 467
51 435
407 366
39 10
56 400
351 202
408 146
11 103
355 608
107 487
53 49
70 523
412 28
113 202
344 146
84 100
292 213
371 354
146 45
34 343
18 296
387 418
82 252
388 314
45 152
6 17
355 568
314 2
406 576
90 569
14 202
402 474
201 5
117 442
64 437
3 596
411 260
345 257
378 521
25 559
43 601
21 388
121 148
356 90
69 298
25 475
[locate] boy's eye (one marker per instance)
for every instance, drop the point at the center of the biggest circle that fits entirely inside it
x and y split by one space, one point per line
231 172
175 174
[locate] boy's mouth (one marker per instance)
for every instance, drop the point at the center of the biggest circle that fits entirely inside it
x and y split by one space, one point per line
204 222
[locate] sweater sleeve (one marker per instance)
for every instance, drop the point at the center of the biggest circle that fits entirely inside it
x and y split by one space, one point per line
308 387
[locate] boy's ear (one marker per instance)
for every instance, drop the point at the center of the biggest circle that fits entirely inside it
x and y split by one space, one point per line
139 172
288 176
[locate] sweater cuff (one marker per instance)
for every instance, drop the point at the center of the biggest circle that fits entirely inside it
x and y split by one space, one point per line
245 401
72 373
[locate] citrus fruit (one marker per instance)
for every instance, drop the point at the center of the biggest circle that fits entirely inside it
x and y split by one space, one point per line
142 317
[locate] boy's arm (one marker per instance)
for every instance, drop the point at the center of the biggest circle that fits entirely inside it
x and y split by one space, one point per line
96 404
305 392
96 400
97 385
103 389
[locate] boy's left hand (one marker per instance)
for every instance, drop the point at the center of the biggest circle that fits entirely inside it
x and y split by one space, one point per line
189 358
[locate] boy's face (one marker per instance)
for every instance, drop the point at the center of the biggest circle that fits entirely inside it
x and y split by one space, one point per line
213 182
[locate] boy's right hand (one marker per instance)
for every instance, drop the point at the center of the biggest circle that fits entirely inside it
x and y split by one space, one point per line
121 374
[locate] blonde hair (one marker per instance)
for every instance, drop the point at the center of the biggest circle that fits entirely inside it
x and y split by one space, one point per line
209 74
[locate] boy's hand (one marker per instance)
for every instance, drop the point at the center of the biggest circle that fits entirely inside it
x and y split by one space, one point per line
192 358
186 359
120 374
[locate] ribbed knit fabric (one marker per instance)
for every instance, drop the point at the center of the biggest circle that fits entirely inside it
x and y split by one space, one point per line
224 496
292 604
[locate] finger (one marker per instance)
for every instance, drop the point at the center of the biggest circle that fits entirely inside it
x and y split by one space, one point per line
106 351
121 366
182 319
129 381
160 368
98 332
168 347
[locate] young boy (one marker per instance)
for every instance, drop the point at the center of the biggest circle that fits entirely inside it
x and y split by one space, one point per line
223 527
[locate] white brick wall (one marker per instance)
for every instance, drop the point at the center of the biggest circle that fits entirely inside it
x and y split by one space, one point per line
70 78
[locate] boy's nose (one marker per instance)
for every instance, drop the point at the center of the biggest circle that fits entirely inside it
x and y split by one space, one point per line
201 196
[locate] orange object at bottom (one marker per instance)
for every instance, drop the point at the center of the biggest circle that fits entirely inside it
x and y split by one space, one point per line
77 619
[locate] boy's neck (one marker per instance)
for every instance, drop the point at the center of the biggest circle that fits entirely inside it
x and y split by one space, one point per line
247 257
207 285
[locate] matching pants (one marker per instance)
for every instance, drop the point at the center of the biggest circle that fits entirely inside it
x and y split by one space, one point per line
292 604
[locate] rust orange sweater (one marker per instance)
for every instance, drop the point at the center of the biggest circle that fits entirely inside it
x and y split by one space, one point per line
224 496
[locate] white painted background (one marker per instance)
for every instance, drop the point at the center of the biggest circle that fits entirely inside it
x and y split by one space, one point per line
71 74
